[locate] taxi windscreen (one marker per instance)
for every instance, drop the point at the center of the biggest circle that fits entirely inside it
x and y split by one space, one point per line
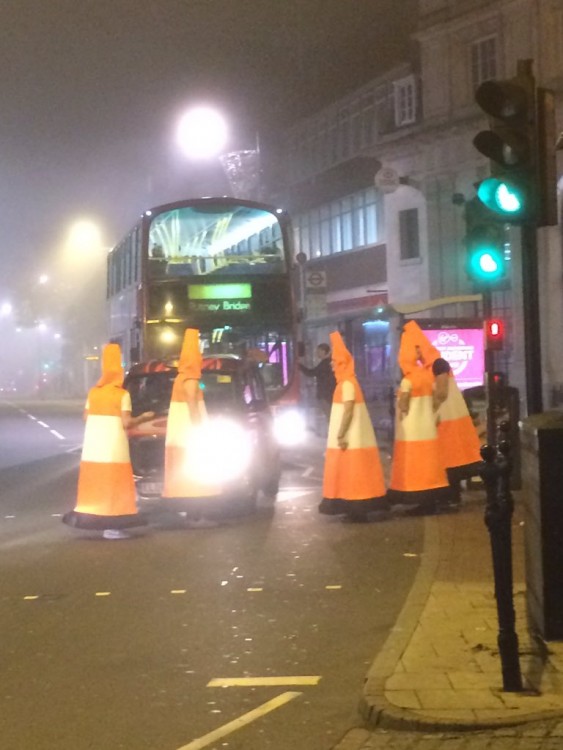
152 391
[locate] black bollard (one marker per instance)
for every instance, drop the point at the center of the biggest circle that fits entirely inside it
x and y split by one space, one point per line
498 519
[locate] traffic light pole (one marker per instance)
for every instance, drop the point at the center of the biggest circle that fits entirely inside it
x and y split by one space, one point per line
531 310
499 507
489 372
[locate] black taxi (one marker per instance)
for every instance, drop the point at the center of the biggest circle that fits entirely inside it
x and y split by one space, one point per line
245 454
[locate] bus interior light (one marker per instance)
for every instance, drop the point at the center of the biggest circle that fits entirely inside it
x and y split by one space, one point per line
168 336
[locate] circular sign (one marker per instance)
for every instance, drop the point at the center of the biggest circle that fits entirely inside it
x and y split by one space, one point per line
387 180
316 279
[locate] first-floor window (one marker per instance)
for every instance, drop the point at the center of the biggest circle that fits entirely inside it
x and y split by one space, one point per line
483 60
409 240
405 101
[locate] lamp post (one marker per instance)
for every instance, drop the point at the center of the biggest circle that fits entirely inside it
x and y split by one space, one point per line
82 263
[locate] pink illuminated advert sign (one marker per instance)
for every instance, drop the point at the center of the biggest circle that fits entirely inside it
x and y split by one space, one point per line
463 348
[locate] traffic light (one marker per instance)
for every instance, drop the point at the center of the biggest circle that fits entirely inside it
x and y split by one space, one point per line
494 334
510 145
484 240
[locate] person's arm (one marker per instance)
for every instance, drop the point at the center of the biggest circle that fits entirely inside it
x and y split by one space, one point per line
440 393
441 370
191 394
404 398
128 421
345 422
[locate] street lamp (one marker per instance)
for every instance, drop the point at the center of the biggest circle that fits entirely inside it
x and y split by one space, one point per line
202 133
84 242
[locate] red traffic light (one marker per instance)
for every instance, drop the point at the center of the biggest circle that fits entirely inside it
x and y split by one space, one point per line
494 333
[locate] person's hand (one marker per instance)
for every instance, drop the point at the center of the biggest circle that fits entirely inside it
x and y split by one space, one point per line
342 442
146 415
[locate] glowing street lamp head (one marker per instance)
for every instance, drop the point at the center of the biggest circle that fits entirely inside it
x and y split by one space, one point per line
202 133
84 235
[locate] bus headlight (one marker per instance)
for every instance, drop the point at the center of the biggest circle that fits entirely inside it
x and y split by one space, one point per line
290 427
218 451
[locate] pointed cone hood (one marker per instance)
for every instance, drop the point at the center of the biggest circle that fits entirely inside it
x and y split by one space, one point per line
112 371
190 356
429 352
342 360
407 357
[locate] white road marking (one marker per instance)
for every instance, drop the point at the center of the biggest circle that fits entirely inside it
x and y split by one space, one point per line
267 681
43 424
308 471
242 721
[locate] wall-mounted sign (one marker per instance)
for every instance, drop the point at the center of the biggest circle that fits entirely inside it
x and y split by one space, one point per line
315 280
387 180
463 348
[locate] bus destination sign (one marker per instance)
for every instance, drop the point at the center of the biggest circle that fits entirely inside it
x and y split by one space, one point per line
220 298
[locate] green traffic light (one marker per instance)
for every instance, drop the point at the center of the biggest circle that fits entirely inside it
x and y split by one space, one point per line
502 197
507 199
486 264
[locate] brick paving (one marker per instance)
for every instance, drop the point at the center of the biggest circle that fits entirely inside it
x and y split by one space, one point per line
546 735
437 682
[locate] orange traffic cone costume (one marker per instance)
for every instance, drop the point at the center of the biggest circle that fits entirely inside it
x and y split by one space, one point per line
106 496
180 480
418 475
457 436
353 478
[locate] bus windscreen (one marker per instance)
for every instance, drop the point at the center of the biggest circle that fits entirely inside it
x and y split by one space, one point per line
215 239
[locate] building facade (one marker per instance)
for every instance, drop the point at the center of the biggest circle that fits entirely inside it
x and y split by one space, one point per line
377 182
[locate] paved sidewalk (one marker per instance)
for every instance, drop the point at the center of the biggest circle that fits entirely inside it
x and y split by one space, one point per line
440 670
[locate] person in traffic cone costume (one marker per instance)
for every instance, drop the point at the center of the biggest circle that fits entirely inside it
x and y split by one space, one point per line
187 415
457 436
353 481
106 497
418 475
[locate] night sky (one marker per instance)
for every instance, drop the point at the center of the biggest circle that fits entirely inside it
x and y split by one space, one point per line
91 90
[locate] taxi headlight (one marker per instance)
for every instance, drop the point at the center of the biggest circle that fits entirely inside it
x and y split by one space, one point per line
218 451
290 427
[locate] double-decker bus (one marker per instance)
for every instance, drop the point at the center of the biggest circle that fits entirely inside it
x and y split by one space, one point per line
221 265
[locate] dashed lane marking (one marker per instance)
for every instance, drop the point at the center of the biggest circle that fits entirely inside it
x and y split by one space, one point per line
242 721
263 681
43 424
